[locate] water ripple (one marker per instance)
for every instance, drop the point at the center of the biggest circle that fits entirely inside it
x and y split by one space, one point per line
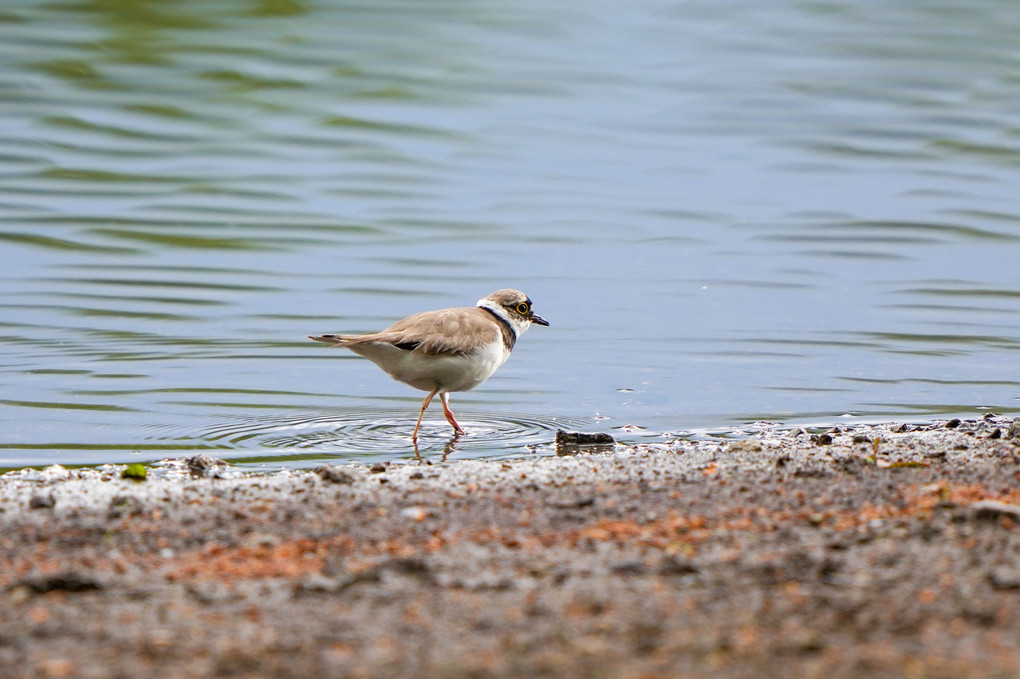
352 434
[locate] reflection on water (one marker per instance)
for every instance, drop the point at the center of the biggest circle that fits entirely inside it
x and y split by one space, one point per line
728 214
367 434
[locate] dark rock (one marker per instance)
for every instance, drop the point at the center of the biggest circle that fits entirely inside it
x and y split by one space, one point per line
410 566
204 466
378 468
821 439
42 501
580 503
632 567
125 505
675 564
64 582
838 544
580 438
953 423
573 442
333 474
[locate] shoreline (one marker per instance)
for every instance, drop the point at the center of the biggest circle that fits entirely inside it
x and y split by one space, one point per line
885 550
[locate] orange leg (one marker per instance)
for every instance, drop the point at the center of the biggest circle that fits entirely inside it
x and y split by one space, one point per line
445 398
424 405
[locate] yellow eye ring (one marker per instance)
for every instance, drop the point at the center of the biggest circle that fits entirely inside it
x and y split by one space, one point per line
522 308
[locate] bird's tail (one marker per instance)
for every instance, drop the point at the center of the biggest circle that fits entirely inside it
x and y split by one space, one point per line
335 340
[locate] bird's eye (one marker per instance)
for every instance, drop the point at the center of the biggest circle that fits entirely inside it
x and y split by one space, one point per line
523 308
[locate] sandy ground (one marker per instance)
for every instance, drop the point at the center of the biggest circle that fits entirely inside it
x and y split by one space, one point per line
872 551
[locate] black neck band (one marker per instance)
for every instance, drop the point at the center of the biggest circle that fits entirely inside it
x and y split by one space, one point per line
507 330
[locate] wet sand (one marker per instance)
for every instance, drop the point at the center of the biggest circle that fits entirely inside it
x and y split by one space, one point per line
875 551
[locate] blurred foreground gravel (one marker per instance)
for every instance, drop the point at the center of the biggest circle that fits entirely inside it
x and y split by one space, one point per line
873 551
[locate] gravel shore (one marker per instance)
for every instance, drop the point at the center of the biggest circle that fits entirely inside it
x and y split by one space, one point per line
878 551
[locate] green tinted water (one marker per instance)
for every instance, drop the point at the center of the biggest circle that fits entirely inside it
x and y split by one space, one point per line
798 212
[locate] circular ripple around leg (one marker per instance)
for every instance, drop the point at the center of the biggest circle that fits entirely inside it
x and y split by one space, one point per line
379 434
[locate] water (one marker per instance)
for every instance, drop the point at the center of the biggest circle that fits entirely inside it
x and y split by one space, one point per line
806 213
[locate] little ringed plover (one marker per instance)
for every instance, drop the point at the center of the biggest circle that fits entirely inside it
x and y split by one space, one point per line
448 349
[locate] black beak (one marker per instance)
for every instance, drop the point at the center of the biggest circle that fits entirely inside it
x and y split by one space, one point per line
535 318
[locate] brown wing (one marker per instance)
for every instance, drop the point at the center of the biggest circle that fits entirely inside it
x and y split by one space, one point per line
446 331
434 333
